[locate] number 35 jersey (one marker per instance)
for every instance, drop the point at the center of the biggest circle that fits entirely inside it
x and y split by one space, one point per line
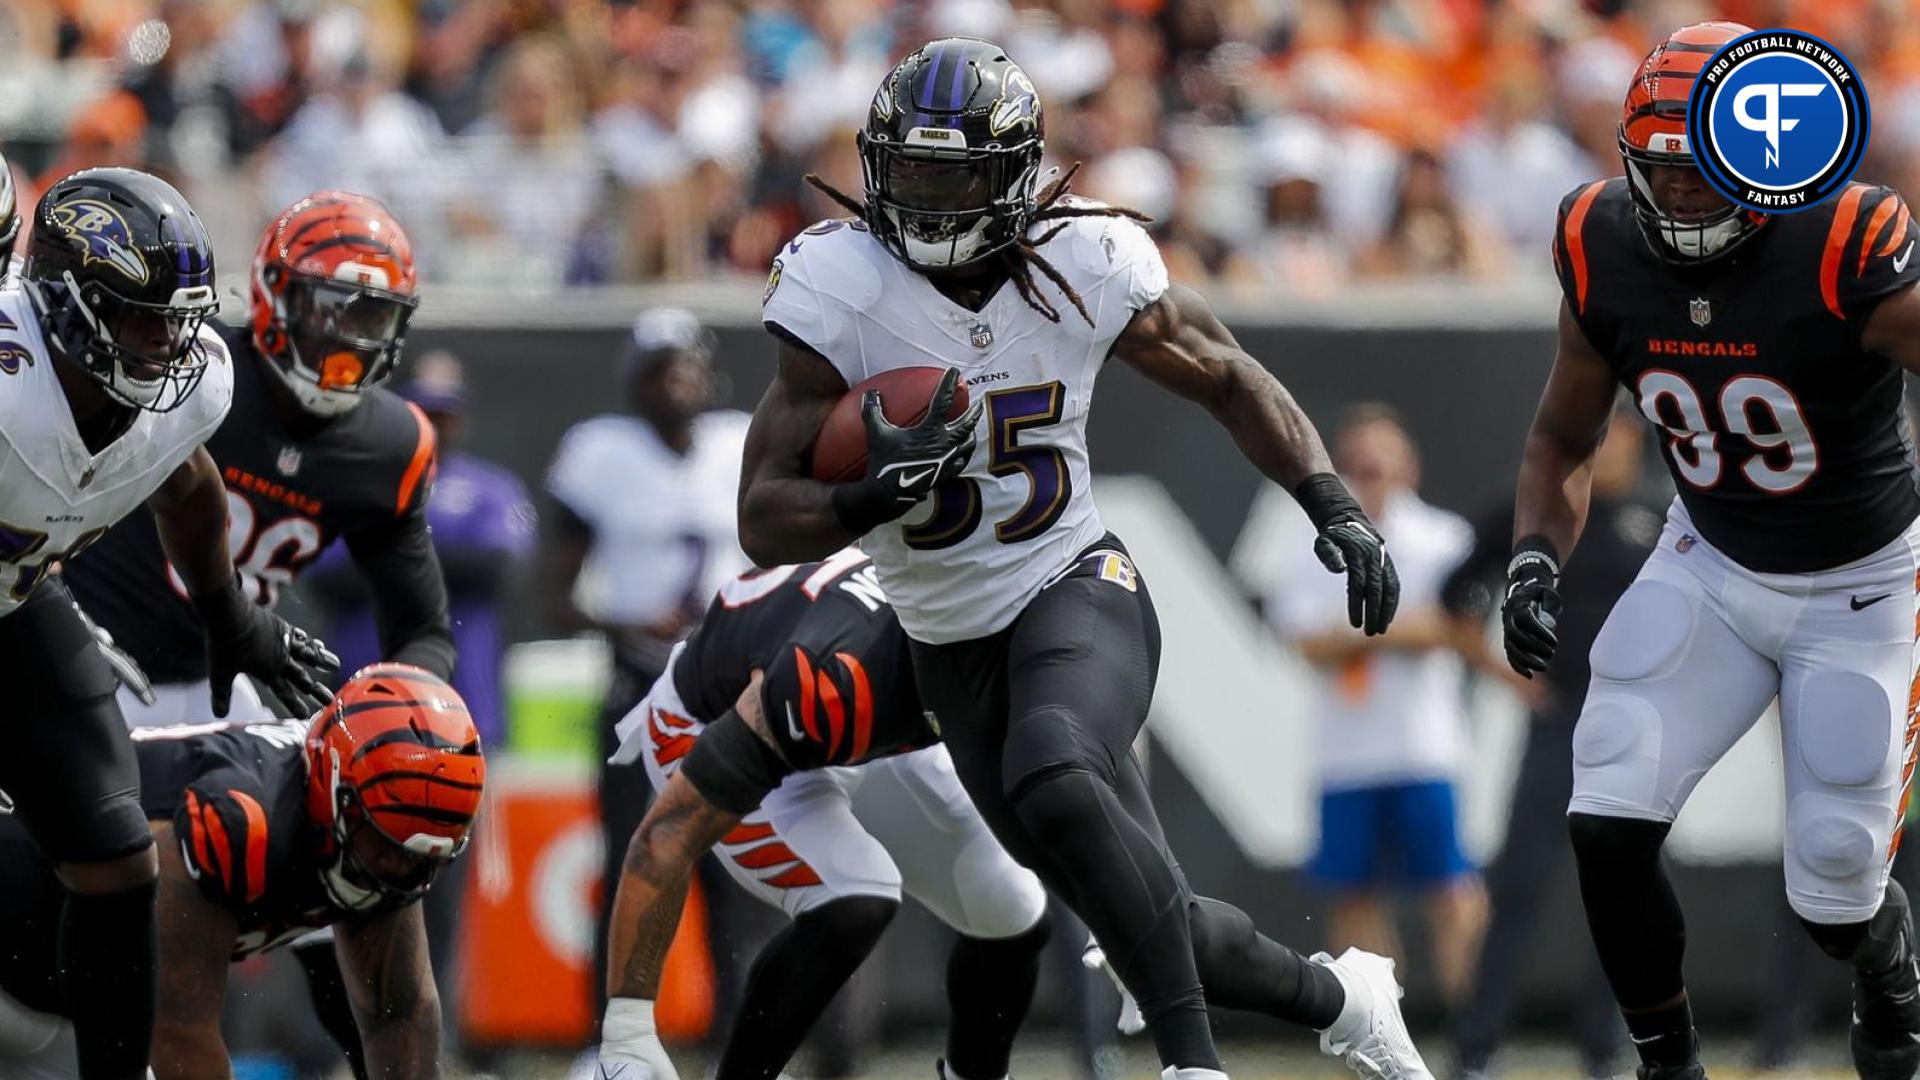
56 497
1787 441
288 497
966 561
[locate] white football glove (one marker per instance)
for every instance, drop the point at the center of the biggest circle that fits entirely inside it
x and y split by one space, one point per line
1095 959
629 1046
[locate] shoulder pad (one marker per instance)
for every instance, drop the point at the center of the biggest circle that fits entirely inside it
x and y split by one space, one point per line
819 706
222 830
1571 251
821 279
1868 251
1094 249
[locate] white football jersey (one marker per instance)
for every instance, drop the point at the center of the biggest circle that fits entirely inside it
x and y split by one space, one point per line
55 496
967 561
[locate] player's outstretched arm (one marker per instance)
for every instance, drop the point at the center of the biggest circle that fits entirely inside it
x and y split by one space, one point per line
196 938
1893 330
680 826
1552 493
389 979
409 592
786 516
1556 468
190 511
1178 342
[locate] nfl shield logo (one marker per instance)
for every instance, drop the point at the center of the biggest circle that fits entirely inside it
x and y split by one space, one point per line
289 460
982 336
1699 311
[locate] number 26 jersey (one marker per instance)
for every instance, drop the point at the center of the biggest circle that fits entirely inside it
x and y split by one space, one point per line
1787 440
967 561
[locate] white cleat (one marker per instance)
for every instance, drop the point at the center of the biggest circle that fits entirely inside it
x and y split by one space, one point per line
1370 1035
1171 1073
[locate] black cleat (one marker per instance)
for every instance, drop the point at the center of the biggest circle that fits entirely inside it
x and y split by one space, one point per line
1690 1071
1885 1037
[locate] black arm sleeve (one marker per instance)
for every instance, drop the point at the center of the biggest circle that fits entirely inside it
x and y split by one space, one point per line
731 767
409 594
477 573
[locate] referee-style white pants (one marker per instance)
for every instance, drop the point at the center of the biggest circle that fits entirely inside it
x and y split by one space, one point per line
1692 655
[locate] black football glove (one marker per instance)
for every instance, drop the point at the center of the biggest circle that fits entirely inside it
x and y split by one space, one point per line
246 639
1348 544
1531 609
905 464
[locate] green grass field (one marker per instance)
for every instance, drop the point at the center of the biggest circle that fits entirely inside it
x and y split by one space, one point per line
1292 1060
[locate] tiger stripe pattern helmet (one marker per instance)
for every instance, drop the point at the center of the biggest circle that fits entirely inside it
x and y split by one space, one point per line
334 286
1653 132
396 752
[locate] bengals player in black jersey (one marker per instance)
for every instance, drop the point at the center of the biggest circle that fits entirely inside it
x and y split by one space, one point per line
312 451
1769 350
793 672
265 832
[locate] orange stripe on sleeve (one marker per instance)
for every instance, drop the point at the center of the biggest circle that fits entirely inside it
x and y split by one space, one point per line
423 452
1838 233
1874 224
1899 230
256 845
199 831
217 844
1576 241
862 707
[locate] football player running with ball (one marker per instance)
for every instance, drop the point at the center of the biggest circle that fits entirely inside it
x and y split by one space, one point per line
110 381
1033 638
1769 350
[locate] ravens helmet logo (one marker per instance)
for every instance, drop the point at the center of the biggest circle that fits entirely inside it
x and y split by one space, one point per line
102 236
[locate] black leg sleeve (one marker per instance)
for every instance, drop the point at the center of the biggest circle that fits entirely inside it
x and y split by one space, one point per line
107 977
794 977
989 989
1244 969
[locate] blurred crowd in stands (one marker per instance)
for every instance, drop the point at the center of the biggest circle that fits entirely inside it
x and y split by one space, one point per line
1280 144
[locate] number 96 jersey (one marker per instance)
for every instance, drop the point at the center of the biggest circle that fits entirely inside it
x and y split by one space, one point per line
290 493
1787 441
965 562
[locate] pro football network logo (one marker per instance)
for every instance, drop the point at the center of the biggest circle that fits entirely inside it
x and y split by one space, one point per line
1779 119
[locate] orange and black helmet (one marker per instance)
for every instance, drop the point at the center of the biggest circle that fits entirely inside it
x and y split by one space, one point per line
333 288
1653 131
396 753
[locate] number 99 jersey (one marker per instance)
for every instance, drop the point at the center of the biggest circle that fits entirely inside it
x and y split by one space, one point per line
965 562
1787 441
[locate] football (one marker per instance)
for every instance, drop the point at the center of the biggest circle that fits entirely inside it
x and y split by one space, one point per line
840 453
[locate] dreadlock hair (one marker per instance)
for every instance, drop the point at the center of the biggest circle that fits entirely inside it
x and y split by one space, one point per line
1023 257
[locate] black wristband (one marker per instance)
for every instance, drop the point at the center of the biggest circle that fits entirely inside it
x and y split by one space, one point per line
1536 553
863 506
1327 501
222 610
